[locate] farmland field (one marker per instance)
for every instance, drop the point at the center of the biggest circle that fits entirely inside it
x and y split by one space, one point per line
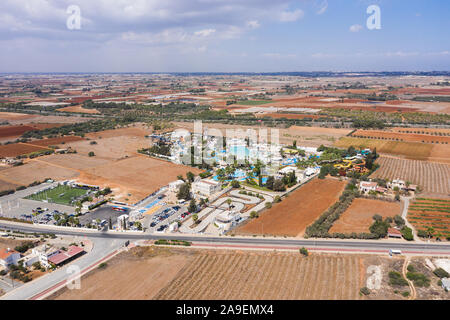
403 136
301 208
160 273
410 150
429 212
17 149
253 102
358 216
55 141
61 194
433 178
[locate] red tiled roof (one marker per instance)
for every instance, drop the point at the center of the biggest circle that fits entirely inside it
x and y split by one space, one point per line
63 256
4 253
394 231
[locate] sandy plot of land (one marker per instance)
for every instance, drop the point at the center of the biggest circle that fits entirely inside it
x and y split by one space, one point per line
35 170
78 109
4 185
358 216
113 144
72 161
222 275
135 177
131 275
296 212
111 148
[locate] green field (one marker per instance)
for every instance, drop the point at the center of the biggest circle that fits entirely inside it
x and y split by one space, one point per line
61 194
253 102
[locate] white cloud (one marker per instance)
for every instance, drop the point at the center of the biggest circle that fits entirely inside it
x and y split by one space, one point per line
322 7
356 28
290 16
254 24
205 32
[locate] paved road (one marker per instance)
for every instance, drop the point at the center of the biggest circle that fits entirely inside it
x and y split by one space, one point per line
102 247
428 248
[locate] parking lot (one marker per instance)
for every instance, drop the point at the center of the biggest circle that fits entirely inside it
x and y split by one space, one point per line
14 206
160 221
103 213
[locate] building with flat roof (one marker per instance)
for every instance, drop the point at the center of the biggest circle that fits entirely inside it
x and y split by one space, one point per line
206 187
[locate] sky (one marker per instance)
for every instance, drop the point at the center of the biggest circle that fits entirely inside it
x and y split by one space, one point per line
223 35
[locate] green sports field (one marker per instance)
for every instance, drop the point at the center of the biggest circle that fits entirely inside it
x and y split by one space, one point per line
61 194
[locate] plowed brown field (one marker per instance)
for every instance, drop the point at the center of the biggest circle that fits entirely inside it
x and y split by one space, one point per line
190 274
402 136
296 212
433 178
17 149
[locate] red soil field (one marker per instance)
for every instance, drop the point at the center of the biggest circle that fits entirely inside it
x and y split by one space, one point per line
358 216
16 131
17 149
301 208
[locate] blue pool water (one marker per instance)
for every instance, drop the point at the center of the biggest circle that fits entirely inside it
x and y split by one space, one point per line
238 175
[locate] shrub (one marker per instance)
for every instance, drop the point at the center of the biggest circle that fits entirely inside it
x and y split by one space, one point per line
419 279
405 294
102 265
365 291
407 233
396 279
304 251
254 215
268 205
441 273
235 184
91 154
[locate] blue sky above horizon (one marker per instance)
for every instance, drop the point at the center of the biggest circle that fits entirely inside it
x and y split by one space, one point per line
224 36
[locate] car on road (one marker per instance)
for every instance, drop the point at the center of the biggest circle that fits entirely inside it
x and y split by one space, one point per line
153 224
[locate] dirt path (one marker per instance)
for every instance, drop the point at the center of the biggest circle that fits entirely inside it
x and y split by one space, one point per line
410 283
405 217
